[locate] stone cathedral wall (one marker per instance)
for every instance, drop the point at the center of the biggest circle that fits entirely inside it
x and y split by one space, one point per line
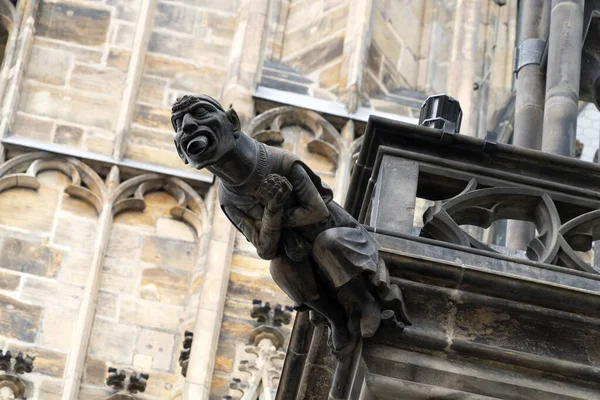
98 80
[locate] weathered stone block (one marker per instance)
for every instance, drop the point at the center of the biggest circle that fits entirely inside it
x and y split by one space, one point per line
161 385
83 54
47 362
98 80
153 117
302 12
119 275
211 52
385 38
123 243
22 208
119 59
51 293
225 5
211 83
54 179
49 65
94 393
17 320
31 127
159 345
175 17
246 263
319 55
77 207
173 229
73 23
95 372
330 76
126 10
61 103
245 287
142 221
221 26
167 158
151 314
99 141
57 328
408 67
9 281
76 233
163 285
29 257
69 135
152 138
124 36
152 90
112 342
325 25
51 390
107 304
404 22
169 253
170 45
75 267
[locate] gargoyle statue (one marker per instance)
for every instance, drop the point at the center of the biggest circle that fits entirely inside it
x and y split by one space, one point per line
320 255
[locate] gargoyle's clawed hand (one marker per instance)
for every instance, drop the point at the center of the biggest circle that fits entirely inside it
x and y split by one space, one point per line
275 189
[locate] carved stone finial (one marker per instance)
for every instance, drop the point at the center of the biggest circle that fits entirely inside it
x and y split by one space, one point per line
116 380
5 361
137 383
184 355
11 386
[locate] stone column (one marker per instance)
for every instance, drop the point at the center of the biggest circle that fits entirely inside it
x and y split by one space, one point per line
529 108
461 74
134 75
356 48
210 309
246 58
14 64
562 78
85 319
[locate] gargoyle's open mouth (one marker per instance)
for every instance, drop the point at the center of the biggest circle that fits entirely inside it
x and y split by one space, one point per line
197 146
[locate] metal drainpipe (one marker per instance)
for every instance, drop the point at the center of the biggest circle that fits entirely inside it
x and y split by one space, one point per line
531 93
562 78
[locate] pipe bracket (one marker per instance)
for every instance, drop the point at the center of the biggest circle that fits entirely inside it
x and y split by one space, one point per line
530 51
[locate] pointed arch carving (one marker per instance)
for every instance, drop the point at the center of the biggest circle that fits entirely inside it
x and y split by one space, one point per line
85 185
267 128
190 208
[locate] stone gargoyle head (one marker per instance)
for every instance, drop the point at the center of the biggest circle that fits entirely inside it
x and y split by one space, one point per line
204 131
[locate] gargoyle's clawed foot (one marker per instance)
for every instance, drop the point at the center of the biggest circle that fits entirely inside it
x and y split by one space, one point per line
394 300
340 337
370 319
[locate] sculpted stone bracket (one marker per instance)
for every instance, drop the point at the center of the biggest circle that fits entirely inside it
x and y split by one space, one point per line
258 365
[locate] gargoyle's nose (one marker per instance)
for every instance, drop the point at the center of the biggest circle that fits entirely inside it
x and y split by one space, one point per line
189 125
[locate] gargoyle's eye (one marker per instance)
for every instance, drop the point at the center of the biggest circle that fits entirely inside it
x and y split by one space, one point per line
200 112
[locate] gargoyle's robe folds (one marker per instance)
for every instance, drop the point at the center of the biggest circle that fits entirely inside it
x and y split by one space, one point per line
334 249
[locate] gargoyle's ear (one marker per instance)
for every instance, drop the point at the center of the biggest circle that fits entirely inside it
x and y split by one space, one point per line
233 118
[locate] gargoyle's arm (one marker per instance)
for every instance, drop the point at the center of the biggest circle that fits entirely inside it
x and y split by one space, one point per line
266 240
311 208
